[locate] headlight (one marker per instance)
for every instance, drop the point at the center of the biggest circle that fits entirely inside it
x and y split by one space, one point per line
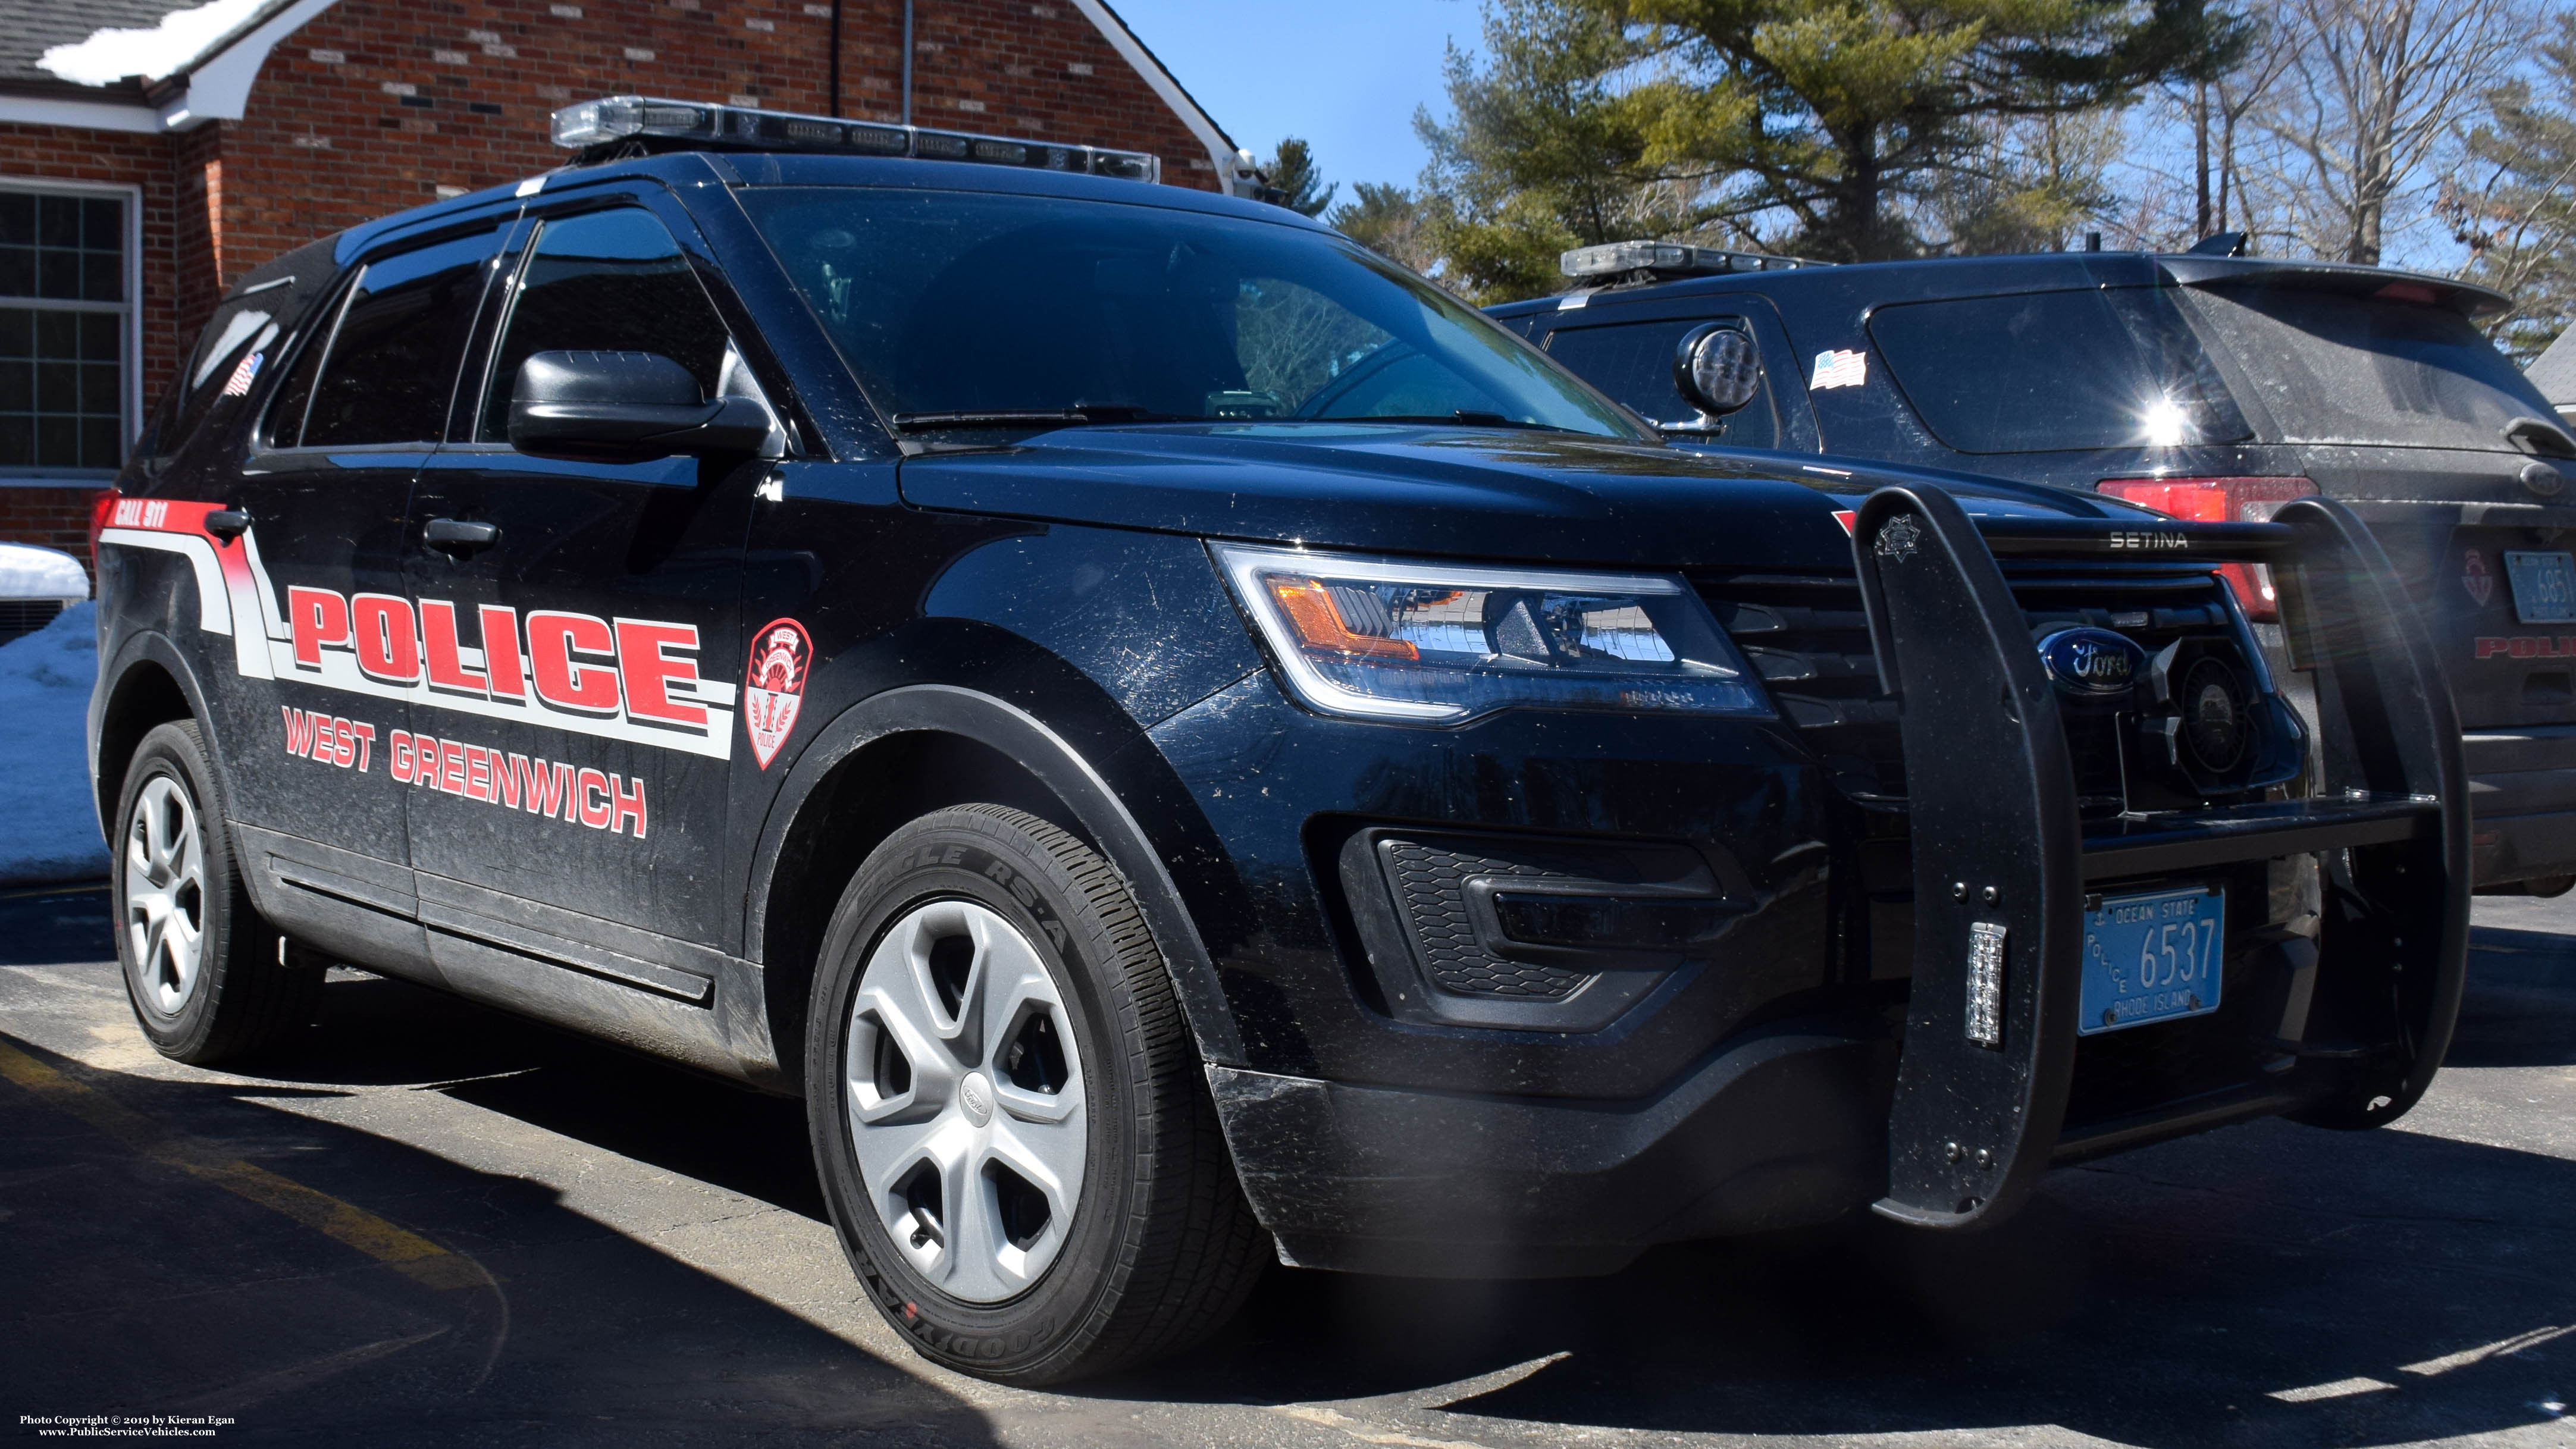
1441 643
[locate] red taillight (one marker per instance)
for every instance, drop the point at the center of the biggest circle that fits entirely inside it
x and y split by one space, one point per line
2221 500
99 509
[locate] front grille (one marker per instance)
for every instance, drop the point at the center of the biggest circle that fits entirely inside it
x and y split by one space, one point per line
1809 640
20 617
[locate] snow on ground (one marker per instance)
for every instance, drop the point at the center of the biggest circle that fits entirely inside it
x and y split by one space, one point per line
48 827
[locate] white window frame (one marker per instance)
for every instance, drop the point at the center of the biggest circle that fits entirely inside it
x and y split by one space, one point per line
132 391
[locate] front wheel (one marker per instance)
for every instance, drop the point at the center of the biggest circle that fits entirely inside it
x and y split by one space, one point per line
1008 1112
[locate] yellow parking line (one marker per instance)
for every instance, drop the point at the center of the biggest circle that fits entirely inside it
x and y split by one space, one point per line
406 1252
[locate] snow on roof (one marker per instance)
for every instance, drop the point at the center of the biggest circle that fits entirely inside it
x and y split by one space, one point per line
111 55
2554 371
29 572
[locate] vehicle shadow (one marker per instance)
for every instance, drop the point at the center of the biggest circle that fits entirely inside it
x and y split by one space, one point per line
152 1271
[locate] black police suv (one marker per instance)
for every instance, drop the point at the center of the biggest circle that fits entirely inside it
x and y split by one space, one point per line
2204 385
1185 744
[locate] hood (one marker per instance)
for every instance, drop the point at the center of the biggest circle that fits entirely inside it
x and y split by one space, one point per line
1460 492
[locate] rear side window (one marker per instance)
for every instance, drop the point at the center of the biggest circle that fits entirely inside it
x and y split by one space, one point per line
2046 371
608 281
1633 362
384 369
238 343
2345 369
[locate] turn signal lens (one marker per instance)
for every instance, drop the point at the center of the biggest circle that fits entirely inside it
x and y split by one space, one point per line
2221 500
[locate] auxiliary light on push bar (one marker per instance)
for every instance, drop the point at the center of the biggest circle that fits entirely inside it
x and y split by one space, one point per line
688 125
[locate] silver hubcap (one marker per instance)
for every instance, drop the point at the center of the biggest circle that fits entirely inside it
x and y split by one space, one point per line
966 1100
165 894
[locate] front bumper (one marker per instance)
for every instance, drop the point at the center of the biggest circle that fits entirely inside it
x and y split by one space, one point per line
1782 1128
2522 797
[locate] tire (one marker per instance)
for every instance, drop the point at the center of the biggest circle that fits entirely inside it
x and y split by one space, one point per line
993 1026
200 965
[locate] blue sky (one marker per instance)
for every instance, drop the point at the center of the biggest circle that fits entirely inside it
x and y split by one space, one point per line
1344 74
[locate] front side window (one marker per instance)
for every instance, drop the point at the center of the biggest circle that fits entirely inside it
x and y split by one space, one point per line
384 368
954 306
606 281
65 315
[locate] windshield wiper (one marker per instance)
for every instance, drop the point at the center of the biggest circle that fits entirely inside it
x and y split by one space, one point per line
1078 415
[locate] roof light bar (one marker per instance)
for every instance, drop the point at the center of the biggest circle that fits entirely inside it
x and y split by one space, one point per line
1672 259
690 125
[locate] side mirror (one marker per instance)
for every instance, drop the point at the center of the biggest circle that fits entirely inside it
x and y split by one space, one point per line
626 407
1717 368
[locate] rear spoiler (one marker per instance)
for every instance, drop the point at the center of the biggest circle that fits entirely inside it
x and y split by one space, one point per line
2384 283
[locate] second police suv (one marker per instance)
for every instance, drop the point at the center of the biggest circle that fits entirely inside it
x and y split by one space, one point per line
1185 745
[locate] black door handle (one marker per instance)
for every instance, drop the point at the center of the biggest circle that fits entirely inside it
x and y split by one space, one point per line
458 537
228 523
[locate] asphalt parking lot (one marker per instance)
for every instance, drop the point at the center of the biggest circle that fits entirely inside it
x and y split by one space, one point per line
435 1224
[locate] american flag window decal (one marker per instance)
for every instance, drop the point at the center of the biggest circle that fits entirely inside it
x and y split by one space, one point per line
1839 368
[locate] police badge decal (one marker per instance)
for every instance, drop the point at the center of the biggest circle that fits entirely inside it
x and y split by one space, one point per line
773 685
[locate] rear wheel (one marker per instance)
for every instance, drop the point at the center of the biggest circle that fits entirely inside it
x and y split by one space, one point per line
201 966
1008 1111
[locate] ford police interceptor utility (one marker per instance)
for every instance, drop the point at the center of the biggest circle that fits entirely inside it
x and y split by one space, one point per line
1183 743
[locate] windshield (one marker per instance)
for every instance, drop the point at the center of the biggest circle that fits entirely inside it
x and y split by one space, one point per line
959 305
2343 369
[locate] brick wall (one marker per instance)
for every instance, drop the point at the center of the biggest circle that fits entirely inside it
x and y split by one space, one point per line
376 106
50 517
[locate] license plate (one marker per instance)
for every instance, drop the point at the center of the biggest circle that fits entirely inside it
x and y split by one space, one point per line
2544 586
2150 958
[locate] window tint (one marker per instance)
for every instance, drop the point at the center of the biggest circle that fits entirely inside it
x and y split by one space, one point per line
1633 362
611 281
2109 368
238 342
2344 369
392 360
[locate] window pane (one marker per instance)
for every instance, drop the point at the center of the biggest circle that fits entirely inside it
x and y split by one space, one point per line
612 281
55 392
1633 362
66 248
393 366
2112 368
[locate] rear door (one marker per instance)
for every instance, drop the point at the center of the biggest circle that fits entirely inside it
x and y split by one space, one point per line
323 693
567 765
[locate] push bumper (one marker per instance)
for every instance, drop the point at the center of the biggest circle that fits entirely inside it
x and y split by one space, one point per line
2522 793
1781 1129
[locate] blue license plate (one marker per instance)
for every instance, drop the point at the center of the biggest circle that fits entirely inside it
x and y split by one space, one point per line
2544 586
2150 958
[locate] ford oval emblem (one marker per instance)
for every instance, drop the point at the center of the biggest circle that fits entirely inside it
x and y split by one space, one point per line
2091 661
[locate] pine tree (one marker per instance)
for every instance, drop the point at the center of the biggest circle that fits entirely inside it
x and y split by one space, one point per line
1293 177
1831 128
2517 214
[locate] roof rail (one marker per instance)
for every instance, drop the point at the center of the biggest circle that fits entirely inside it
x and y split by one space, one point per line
611 125
1654 261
